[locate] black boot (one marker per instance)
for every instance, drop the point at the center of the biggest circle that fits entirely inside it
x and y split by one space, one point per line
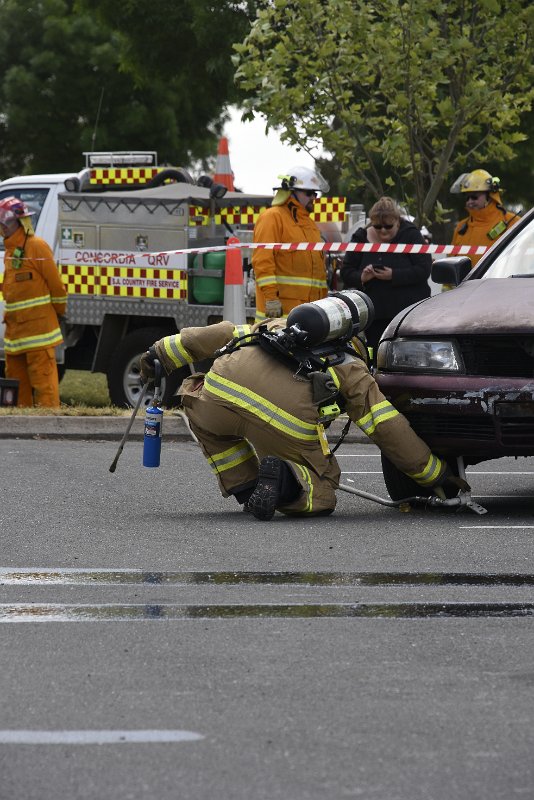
277 486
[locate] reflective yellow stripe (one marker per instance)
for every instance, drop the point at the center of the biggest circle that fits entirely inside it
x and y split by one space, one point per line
269 280
378 413
282 280
334 377
33 303
58 300
241 330
431 472
307 479
33 342
230 458
290 280
261 407
176 351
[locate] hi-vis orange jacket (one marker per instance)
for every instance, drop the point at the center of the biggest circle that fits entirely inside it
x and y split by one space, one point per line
293 277
484 226
33 294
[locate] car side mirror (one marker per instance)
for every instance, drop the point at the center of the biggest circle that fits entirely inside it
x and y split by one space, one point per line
451 270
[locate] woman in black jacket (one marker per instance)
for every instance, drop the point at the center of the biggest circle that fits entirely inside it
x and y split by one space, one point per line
393 281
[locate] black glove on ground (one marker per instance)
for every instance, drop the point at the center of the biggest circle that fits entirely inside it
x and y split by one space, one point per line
451 484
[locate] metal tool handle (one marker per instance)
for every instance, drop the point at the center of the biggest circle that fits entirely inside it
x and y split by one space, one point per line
128 429
158 372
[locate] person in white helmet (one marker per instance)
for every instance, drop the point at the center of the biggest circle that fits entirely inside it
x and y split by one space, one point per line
284 278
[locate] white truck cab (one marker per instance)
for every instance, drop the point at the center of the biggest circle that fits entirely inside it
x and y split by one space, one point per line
103 225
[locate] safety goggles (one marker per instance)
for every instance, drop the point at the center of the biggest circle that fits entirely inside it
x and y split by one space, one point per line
386 227
308 192
476 195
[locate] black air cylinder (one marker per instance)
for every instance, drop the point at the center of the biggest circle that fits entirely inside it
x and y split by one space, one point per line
339 316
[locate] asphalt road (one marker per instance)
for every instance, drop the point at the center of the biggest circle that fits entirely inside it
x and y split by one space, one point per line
156 642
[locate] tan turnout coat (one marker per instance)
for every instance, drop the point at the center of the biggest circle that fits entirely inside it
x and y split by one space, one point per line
250 405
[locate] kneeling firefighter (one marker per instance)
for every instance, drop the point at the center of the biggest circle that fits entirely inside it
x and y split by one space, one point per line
260 412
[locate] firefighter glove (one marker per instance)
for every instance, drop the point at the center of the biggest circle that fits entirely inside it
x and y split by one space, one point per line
273 308
450 484
146 366
323 387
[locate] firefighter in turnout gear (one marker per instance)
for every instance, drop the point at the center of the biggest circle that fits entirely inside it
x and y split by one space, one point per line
488 219
34 298
284 278
259 413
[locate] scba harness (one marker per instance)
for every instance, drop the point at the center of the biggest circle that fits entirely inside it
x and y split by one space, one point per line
318 337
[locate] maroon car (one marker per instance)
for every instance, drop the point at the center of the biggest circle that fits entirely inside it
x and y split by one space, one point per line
460 364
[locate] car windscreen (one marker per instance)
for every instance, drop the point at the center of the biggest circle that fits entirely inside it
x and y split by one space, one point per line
516 258
34 199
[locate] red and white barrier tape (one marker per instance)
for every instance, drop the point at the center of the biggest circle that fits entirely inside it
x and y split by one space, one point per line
175 259
341 247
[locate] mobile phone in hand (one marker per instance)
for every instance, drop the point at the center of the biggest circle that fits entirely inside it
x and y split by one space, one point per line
378 268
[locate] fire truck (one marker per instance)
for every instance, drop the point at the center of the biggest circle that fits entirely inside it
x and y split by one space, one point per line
114 228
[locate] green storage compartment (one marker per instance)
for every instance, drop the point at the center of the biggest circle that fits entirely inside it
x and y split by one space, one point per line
208 289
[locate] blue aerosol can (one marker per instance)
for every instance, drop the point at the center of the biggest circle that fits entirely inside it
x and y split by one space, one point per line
153 425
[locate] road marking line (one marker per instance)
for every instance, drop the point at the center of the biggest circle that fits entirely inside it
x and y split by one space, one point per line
46 576
489 472
469 472
169 612
96 737
498 527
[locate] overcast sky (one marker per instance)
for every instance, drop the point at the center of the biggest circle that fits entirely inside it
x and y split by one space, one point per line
257 159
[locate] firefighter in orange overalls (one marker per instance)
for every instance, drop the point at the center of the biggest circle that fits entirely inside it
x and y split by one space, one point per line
34 298
487 218
285 279
259 418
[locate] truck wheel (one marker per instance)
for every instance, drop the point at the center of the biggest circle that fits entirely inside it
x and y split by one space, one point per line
400 485
123 373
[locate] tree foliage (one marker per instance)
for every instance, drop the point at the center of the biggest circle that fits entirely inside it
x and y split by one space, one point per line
407 89
78 75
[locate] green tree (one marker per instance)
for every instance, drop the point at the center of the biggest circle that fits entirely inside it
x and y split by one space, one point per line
407 89
68 85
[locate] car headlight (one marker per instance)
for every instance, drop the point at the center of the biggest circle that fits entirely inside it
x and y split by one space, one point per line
419 355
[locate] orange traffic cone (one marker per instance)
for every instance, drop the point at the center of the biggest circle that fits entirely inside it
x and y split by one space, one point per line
223 170
234 292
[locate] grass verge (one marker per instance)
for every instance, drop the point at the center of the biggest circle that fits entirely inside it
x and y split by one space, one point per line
82 394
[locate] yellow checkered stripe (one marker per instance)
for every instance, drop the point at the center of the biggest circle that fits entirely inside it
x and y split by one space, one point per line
122 176
326 209
233 215
329 209
86 279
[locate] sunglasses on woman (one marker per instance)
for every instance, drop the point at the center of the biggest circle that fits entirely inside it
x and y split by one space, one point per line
386 227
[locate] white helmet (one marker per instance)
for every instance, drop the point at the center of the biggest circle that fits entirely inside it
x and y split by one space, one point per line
303 178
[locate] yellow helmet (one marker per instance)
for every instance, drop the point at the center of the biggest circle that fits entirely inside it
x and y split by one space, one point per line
477 181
